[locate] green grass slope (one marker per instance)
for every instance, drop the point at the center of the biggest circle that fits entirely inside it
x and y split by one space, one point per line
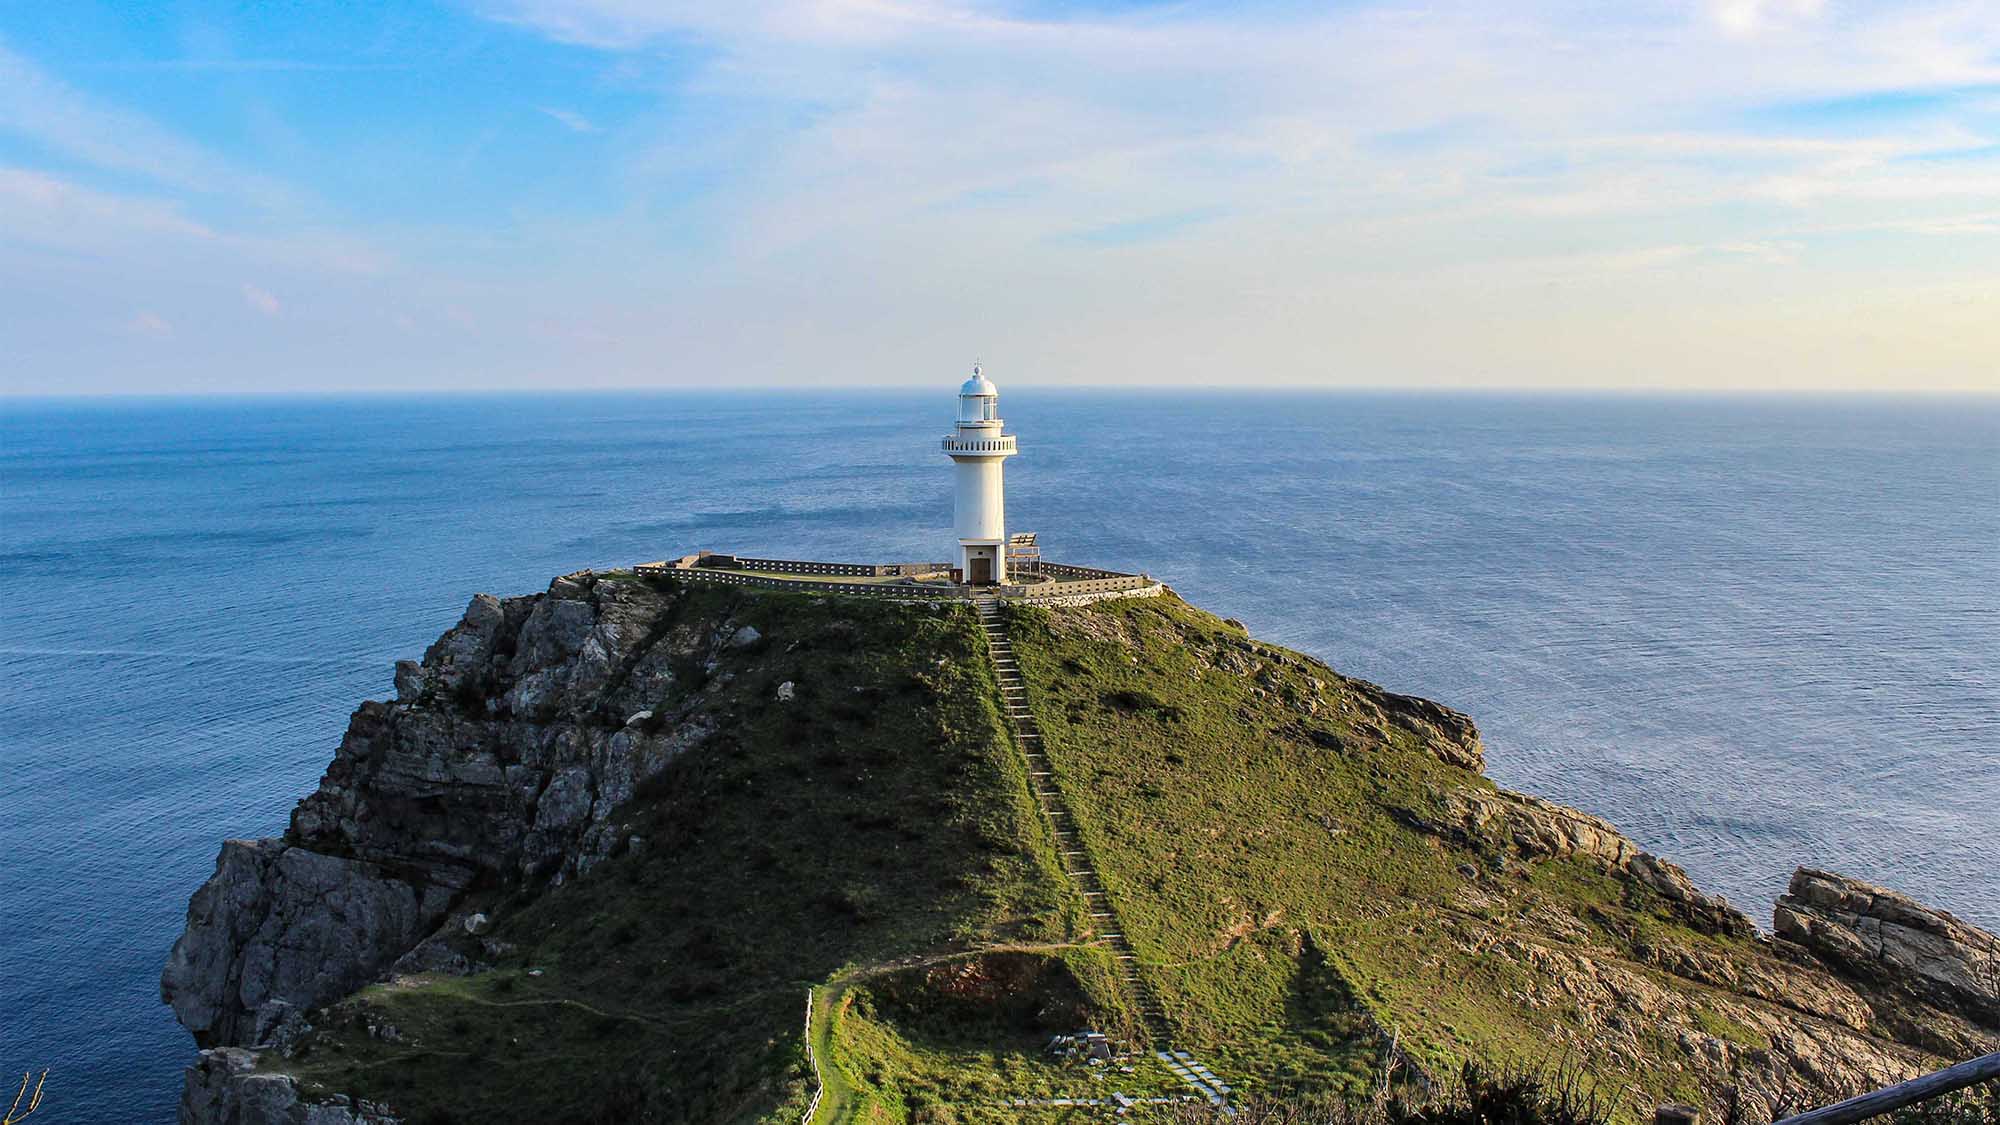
1284 848
879 816
1255 817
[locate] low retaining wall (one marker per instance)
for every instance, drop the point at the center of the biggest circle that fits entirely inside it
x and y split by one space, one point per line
1149 590
885 591
1072 585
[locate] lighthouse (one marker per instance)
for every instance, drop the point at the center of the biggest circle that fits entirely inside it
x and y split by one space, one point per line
978 449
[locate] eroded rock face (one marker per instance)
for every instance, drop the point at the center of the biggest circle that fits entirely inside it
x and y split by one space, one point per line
1861 987
1910 953
1535 829
502 761
1452 736
222 1087
279 926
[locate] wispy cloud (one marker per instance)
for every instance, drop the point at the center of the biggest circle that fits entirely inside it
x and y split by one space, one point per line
39 208
249 65
149 324
574 122
38 107
1755 17
262 301
1152 228
1113 188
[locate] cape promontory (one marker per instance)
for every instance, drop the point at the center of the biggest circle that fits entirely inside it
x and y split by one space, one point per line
589 862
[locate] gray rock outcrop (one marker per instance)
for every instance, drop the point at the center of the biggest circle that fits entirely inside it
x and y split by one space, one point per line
1537 829
278 926
222 1087
502 761
1910 954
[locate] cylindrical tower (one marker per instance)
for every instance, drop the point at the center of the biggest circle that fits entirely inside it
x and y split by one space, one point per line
978 449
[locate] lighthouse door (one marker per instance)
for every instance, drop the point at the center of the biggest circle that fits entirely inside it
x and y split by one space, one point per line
982 570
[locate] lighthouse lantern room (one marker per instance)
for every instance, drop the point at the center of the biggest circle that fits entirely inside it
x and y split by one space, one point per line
977 450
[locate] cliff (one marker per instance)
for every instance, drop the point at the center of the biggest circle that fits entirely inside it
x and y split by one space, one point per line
585 864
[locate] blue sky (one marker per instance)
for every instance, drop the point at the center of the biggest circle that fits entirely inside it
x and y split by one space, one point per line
1725 195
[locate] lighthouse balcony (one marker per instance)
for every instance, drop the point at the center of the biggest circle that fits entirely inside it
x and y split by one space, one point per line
990 446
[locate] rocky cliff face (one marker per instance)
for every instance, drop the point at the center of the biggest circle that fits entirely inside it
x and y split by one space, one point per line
502 761
223 1088
1929 976
513 752
1857 987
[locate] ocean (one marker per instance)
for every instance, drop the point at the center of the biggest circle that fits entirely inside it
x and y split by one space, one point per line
1753 632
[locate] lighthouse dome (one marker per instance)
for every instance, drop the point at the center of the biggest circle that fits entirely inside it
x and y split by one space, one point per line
979 384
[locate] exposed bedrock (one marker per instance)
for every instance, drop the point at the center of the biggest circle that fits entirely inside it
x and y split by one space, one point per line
280 927
1537 829
1911 954
222 1088
501 761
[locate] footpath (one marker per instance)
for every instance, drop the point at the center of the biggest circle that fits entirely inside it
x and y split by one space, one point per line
1078 866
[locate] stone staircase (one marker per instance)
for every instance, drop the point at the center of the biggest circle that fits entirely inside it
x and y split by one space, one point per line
1076 861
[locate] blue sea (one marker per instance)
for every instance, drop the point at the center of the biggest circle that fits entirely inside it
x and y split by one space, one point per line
1753 632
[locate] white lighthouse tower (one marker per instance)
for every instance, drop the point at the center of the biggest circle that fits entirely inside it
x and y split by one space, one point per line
978 449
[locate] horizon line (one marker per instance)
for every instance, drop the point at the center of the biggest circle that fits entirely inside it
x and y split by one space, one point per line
1508 390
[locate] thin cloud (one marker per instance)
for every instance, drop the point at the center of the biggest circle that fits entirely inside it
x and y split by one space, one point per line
1746 18
36 105
1153 228
225 64
149 324
574 122
262 301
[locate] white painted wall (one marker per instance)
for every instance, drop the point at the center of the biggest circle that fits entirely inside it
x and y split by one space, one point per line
980 502
981 506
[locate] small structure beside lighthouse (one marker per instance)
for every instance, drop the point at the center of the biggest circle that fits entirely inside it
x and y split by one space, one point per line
979 449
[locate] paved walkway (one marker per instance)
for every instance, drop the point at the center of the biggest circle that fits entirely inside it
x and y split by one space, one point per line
1076 861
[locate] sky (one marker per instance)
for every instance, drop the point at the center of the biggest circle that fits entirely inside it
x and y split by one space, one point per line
1710 195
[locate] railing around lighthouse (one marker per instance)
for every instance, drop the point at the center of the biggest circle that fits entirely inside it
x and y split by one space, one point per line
980 445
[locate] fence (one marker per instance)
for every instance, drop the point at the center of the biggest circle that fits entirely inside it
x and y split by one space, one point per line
1875 1103
1080 573
1985 1068
1072 585
812 1057
887 591
803 566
